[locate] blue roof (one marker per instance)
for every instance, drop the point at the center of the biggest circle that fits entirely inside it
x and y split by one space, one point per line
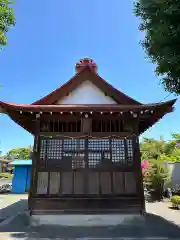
21 162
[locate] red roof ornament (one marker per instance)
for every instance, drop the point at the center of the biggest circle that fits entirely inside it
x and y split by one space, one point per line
84 62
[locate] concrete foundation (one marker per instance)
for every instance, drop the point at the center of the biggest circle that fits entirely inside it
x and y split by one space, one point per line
86 219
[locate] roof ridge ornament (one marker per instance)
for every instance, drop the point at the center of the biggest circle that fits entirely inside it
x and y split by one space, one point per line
84 62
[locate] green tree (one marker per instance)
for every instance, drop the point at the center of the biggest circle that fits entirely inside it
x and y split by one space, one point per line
7 20
156 177
151 148
161 26
161 150
172 148
19 153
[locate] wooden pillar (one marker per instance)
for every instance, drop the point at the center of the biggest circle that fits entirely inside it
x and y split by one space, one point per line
139 183
33 186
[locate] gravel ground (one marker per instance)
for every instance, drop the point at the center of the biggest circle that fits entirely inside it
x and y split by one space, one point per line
5 181
161 223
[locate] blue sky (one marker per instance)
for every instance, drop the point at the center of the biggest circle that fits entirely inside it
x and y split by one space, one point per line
51 36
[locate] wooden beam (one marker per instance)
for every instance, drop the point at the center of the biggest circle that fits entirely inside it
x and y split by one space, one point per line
97 135
58 168
2 110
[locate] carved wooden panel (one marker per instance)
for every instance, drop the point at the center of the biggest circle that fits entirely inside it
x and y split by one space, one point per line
67 182
42 184
78 161
72 145
51 151
130 151
98 145
101 152
130 182
54 183
118 151
118 184
105 182
98 149
93 183
78 182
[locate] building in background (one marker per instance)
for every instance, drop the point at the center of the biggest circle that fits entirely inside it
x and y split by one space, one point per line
174 169
22 175
4 165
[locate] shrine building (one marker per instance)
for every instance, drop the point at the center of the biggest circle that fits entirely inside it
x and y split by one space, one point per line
86 156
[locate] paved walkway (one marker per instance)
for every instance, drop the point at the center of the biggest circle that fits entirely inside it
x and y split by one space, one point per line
164 210
12 204
159 225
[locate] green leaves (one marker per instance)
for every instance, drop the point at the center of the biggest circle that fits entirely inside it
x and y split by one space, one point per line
161 25
151 148
160 149
7 20
156 177
19 153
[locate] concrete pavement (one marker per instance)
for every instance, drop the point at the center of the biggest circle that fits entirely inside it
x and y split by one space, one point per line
12 204
159 225
164 210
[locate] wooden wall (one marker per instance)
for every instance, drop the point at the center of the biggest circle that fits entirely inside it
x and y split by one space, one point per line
86 173
92 183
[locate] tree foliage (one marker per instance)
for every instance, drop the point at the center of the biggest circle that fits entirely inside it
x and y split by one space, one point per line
161 26
151 148
19 153
156 177
161 150
157 152
7 20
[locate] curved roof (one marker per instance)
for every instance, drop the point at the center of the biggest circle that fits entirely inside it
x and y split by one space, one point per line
27 121
86 72
83 107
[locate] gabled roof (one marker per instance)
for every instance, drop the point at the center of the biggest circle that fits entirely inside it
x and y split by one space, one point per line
86 71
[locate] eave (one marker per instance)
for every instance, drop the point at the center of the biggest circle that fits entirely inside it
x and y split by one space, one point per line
5 106
25 114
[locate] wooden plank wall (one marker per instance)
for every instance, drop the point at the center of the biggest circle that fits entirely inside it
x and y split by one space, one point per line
98 183
95 167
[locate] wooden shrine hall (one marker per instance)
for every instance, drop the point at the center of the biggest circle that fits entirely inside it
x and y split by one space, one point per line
86 156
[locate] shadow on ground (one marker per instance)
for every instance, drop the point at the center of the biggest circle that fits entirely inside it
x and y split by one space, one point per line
153 227
13 209
174 208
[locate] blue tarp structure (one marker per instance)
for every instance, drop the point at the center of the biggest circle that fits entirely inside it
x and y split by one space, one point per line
22 175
